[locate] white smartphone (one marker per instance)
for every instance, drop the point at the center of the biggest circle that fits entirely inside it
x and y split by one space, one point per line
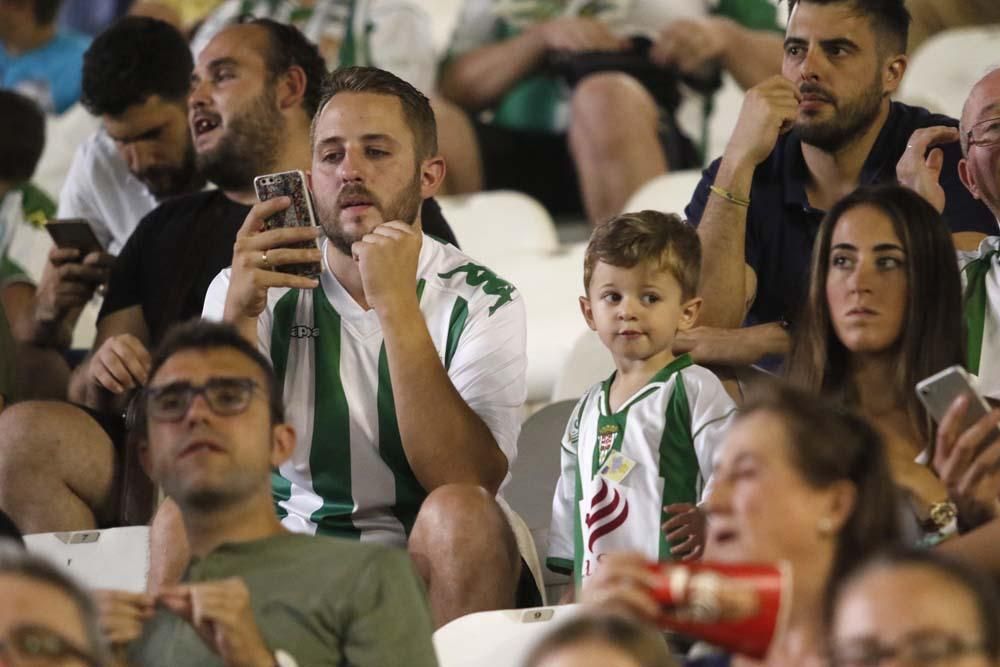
940 390
290 184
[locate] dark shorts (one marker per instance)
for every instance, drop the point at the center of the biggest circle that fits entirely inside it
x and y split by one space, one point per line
540 164
527 595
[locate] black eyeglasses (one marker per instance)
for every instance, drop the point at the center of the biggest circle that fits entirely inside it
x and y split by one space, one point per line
225 396
984 133
36 645
924 650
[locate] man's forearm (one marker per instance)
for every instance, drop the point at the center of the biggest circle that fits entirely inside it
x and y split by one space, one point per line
444 439
742 346
722 231
751 55
477 79
977 548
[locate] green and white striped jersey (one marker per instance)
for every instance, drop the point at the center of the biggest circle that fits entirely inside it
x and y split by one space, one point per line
349 474
394 35
981 305
620 468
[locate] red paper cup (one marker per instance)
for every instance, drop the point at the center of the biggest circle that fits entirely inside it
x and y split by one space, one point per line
737 607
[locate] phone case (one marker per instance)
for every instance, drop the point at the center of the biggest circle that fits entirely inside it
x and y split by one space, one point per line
940 390
73 233
299 214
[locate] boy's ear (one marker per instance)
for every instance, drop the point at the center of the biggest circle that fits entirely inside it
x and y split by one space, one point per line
588 312
689 313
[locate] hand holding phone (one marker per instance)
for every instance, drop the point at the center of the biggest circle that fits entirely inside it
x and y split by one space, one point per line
967 444
291 184
74 233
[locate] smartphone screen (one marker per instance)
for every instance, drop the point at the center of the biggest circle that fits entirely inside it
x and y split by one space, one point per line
73 233
290 184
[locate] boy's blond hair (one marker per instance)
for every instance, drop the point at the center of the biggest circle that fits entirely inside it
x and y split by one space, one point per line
647 236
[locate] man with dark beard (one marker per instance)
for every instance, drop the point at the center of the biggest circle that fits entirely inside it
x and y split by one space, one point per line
254 91
802 141
403 365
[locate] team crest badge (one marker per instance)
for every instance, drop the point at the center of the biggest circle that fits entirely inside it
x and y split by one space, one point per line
606 440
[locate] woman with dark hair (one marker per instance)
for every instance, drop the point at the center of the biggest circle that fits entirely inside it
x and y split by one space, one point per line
914 607
884 311
795 481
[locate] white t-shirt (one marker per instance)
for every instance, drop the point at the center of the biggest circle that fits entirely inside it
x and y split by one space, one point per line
100 189
989 358
349 475
619 469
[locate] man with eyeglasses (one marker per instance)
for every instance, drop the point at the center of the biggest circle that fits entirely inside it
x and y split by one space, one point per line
45 618
918 609
254 593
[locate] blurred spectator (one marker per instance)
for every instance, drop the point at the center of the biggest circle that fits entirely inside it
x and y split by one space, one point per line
582 97
45 618
933 16
658 419
91 16
759 206
883 313
914 608
214 430
601 641
796 482
36 57
135 78
21 204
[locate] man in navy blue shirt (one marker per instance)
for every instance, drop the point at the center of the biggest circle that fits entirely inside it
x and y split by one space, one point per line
802 141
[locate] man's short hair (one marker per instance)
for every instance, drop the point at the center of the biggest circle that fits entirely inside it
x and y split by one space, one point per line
17 562
204 335
136 58
416 107
287 48
46 11
647 236
22 142
889 18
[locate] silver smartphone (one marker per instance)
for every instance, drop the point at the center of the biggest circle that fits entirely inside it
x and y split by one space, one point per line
940 390
290 184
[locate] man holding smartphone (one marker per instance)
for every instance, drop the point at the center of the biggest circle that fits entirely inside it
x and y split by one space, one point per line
398 327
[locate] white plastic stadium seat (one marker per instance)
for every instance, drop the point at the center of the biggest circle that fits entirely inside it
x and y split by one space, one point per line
942 71
588 362
115 558
669 193
533 481
497 638
488 224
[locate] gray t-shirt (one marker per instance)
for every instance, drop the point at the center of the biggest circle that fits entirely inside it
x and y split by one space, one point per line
324 600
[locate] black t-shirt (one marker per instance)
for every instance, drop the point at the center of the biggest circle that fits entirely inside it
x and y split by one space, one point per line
172 256
782 225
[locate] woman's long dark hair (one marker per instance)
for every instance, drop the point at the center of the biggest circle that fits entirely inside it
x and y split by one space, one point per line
932 335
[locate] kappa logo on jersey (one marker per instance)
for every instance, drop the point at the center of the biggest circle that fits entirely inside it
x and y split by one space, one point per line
303 331
493 285
607 513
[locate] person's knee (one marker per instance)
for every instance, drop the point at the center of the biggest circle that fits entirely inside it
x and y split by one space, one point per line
600 100
460 517
21 446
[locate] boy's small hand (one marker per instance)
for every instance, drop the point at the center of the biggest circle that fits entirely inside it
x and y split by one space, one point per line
685 530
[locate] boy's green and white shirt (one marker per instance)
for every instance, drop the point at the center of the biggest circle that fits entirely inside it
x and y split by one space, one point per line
981 306
663 438
349 475
394 35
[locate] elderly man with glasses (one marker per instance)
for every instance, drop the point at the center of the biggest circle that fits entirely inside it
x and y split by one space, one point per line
45 619
254 594
979 170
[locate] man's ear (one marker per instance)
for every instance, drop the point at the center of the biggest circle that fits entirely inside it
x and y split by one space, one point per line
588 313
282 443
291 88
895 68
689 313
432 172
968 178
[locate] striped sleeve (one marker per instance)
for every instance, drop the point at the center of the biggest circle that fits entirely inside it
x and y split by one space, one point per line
712 412
562 529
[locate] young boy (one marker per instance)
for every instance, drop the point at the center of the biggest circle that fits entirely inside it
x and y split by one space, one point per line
637 451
